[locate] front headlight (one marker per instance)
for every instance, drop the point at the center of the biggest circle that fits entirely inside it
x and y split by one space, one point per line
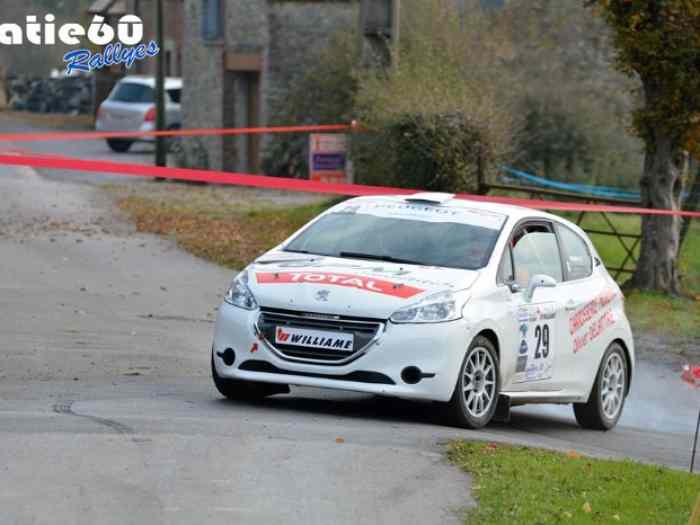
239 294
435 308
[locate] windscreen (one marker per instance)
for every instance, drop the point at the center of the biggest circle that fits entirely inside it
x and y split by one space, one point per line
427 235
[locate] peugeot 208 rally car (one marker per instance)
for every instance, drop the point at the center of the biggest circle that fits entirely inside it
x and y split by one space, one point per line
471 304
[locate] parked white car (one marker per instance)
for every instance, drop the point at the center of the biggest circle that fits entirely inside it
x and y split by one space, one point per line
476 305
131 106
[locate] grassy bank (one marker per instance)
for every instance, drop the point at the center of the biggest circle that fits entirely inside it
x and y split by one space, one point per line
59 121
570 488
232 226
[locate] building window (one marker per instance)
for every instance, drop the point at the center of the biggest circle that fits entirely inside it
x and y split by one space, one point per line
211 19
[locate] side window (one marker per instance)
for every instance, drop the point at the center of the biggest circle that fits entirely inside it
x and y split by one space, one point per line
535 251
505 270
577 258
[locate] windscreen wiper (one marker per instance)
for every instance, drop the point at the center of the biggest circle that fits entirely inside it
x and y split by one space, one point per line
373 257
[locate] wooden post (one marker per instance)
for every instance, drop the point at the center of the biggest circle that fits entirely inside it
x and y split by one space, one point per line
395 31
161 158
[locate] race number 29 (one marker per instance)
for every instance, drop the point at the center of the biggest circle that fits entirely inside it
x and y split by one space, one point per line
542 346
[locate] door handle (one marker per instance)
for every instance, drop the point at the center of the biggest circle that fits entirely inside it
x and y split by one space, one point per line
572 305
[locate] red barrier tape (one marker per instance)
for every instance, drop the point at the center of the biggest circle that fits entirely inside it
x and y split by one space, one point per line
277 183
203 132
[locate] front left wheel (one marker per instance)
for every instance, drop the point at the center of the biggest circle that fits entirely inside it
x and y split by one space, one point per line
475 397
240 390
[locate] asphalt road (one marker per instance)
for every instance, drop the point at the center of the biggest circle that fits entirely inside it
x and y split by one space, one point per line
107 413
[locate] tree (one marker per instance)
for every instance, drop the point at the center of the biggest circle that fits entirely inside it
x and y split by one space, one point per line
657 41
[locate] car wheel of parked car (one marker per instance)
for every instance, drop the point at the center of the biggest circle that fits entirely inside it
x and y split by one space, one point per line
119 145
237 389
607 398
475 397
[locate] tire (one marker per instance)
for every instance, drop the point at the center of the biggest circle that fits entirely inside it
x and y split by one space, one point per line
470 406
240 390
604 406
119 145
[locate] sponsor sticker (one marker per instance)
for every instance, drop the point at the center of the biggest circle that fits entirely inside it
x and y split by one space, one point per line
523 347
523 330
522 364
367 284
314 339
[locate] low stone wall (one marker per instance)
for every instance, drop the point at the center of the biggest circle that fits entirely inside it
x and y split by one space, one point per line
72 95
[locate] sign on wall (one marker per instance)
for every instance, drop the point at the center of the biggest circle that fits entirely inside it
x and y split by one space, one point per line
328 157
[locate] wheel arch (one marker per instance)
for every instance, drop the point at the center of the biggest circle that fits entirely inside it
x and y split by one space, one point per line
489 334
628 358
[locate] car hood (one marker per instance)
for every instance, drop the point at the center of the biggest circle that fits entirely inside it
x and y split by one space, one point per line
347 286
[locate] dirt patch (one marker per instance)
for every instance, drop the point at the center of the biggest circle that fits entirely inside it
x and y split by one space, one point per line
673 351
230 226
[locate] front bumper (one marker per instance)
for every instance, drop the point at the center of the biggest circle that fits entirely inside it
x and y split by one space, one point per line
436 350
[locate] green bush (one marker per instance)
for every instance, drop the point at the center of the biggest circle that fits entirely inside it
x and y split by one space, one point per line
439 115
436 152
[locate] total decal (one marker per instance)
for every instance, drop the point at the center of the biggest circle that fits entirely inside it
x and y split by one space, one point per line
386 271
535 350
592 319
121 45
367 284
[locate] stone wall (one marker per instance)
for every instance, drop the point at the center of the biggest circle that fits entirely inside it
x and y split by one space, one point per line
299 30
203 85
287 34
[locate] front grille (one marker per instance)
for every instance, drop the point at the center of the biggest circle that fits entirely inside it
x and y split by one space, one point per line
364 330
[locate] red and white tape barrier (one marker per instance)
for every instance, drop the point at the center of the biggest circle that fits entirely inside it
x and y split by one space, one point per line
277 183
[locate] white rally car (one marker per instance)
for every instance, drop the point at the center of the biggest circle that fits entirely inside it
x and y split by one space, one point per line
476 305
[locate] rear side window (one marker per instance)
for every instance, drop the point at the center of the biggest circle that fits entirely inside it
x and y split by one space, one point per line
132 92
577 259
175 95
535 251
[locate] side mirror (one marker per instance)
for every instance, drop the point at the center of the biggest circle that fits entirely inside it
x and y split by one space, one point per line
538 281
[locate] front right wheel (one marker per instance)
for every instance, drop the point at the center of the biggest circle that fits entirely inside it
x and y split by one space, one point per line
475 397
604 406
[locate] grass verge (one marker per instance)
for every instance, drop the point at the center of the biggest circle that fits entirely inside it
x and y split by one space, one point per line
230 228
570 488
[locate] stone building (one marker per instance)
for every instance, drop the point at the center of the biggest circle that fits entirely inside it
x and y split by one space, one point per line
240 59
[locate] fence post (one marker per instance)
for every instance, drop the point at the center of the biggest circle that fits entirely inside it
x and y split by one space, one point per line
695 444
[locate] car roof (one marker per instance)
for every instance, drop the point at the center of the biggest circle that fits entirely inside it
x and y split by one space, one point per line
170 82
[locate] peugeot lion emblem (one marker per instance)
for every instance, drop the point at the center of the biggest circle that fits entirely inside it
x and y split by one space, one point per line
322 295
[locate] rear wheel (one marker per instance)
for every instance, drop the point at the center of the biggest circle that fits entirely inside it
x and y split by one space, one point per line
237 389
475 397
119 145
604 406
